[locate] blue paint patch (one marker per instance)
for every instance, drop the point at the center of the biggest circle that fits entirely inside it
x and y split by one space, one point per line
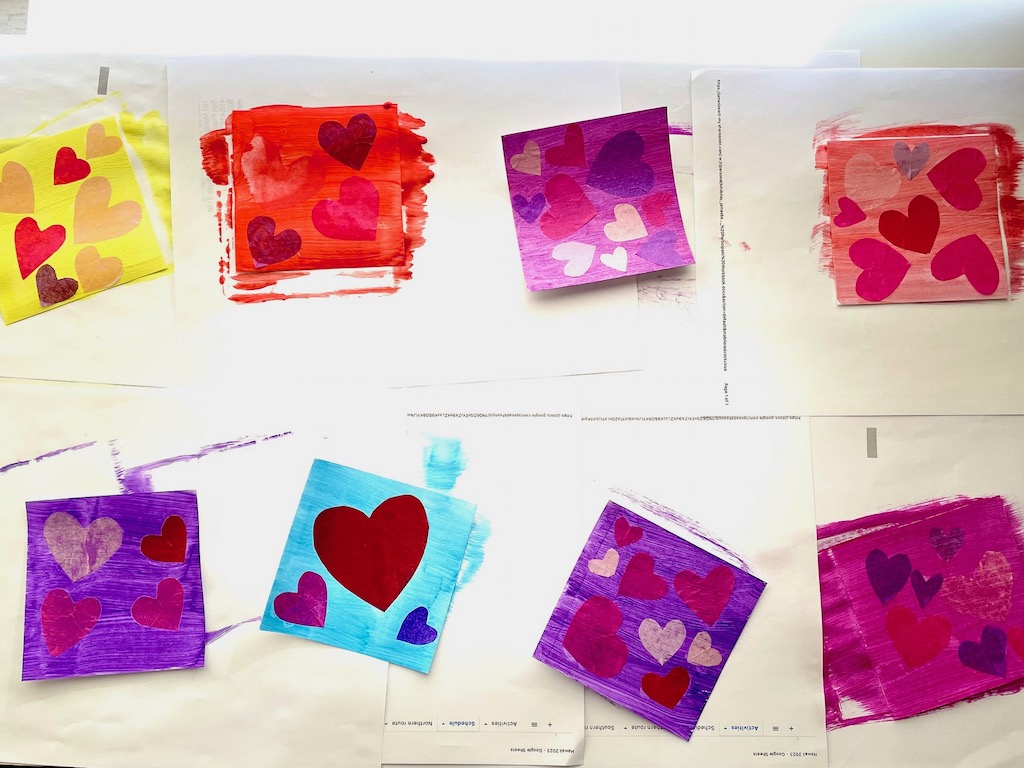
474 557
443 463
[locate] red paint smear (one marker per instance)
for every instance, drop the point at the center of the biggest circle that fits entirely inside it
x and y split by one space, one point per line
416 174
216 157
848 669
256 298
1008 150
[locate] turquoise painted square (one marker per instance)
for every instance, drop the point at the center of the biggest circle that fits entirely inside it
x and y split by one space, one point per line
306 594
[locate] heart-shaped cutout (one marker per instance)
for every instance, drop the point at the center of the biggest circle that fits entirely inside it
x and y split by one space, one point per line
577 257
917 642
660 249
162 611
639 579
606 566
373 556
869 182
96 219
702 653
527 161
530 209
987 594
954 178
95 272
970 257
626 534
69 167
915 231
65 622
883 269
349 144
617 259
353 216
849 213
52 290
274 185
925 589
668 690
98 144
662 642
571 152
17 194
619 168
306 606
266 247
987 656
946 544
887 575
78 550
708 596
33 246
654 206
591 638
169 545
570 208
627 224
910 161
415 630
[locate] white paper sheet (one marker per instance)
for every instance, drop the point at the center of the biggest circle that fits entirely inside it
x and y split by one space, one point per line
121 336
918 459
748 483
768 316
486 699
262 698
465 315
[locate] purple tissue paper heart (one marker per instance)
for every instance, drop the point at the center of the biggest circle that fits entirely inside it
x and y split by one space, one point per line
415 630
887 574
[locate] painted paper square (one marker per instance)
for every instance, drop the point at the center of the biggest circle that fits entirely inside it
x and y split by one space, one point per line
113 585
648 619
370 565
922 607
73 220
916 217
595 200
318 188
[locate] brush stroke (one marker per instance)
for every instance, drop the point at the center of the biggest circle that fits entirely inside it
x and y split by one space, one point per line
45 456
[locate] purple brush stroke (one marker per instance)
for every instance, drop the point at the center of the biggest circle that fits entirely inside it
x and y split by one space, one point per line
45 456
217 634
680 129
139 480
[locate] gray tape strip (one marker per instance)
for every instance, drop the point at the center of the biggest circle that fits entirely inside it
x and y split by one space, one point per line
872 443
101 86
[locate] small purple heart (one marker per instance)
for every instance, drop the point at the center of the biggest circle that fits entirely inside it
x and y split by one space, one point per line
946 544
348 144
887 574
415 630
530 209
52 290
910 162
266 247
988 656
618 168
925 589
660 249
849 213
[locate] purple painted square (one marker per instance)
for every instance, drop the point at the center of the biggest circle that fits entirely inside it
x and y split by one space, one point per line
595 200
113 585
648 619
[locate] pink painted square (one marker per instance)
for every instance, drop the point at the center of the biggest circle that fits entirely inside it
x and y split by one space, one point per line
595 200
916 218
922 607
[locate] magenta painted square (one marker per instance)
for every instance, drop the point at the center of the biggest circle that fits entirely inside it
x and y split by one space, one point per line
113 585
922 607
595 200
648 619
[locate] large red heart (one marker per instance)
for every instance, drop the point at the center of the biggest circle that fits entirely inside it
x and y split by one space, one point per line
33 246
884 268
640 581
592 640
68 167
706 597
917 230
954 178
162 611
570 207
916 641
968 256
373 556
667 690
168 546
353 216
